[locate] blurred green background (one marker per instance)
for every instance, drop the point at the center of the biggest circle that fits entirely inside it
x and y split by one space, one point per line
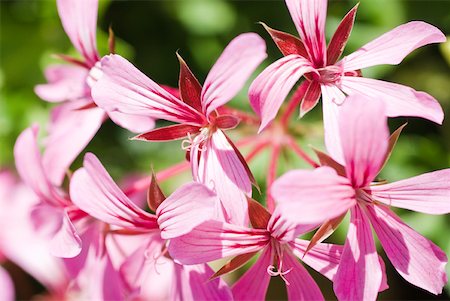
150 32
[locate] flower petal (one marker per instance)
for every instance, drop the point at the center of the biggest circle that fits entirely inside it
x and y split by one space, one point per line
133 123
359 264
393 46
122 87
399 100
287 43
427 193
311 197
70 132
168 133
65 82
186 208
364 136
7 292
79 19
192 282
254 283
416 258
214 240
271 87
233 68
309 18
324 258
65 243
301 285
93 190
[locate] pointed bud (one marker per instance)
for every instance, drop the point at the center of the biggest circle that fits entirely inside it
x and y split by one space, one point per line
168 133
392 142
340 37
111 41
288 44
233 264
258 214
155 196
190 88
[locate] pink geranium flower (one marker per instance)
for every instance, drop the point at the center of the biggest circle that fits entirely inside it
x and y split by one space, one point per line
215 161
330 191
272 235
326 76
93 190
70 84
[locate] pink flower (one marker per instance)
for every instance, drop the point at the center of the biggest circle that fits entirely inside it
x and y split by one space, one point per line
215 161
93 190
332 190
272 235
7 292
70 84
332 79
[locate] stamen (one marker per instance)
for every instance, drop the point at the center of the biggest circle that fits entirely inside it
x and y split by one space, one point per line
198 140
274 271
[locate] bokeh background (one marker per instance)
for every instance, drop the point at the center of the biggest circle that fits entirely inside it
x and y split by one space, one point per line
150 32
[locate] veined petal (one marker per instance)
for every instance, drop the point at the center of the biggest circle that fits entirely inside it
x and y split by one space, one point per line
301 285
65 82
122 87
186 208
168 133
270 88
221 170
427 193
229 74
364 137
214 240
393 46
416 258
93 190
66 243
312 197
79 19
309 18
254 283
399 100
29 165
133 123
359 263
7 292
323 257
69 133
192 282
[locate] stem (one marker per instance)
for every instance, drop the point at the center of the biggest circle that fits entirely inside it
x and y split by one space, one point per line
301 153
259 147
296 99
272 173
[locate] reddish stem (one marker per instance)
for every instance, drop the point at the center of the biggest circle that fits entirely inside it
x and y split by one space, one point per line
295 100
259 147
301 153
271 174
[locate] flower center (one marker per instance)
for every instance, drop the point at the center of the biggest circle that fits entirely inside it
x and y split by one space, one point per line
330 74
273 270
363 196
197 141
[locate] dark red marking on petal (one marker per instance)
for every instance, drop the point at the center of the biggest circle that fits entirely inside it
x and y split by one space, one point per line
168 133
190 88
226 122
287 43
258 214
326 160
340 37
233 264
311 98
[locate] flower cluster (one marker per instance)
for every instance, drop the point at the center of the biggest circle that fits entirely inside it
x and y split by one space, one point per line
93 240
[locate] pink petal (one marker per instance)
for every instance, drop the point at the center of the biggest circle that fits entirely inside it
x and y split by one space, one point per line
186 208
69 134
214 240
133 123
221 170
399 100
309 18
359 275
324 258
66 243
254 283
79 19
312 197
301 285
192 282
393 46
283 229
416 258
229 74
93 190
65 82
29 165
123 88
271 87
364 135
427 193
7 292
332 98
